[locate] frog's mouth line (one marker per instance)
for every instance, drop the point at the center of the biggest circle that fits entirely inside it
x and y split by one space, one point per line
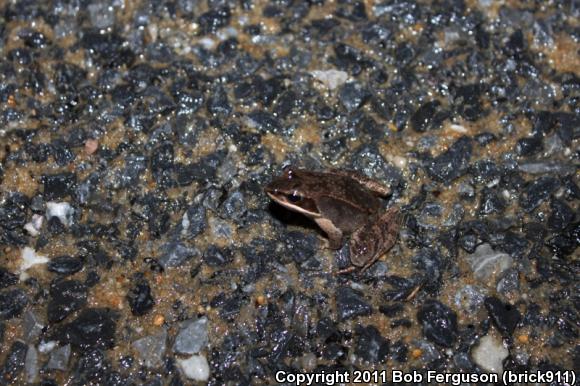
279 199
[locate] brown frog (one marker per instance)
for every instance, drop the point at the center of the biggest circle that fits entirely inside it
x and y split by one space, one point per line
342 203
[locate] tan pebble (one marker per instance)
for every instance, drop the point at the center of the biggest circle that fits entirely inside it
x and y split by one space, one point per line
158 320
416 353
261 300
116 301
11 101
91 146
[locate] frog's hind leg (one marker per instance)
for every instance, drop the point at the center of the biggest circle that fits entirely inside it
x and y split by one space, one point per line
390 222
375 241
334 234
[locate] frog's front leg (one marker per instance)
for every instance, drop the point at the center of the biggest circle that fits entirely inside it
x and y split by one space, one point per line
334 234
374 239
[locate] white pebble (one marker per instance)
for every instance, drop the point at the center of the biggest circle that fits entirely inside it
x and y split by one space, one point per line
33 227
31 365
489 354
226 33
330 78
46 347
185 224
195 367
62 210
30 258
28 227
458 128
486 262
207 43
400 162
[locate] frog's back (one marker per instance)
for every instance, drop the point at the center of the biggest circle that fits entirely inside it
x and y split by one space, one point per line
354 194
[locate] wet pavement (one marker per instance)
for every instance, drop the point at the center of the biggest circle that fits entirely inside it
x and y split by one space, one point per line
137 245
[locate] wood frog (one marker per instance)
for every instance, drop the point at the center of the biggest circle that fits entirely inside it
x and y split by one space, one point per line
342 203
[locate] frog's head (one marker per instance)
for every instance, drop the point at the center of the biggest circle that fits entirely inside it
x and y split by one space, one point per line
294 190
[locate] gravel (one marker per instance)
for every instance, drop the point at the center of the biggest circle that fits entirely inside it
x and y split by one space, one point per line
151 349
195 367
12 303
59 358
439 323
192 337
138 245
504 315
487 262
351 303
489 354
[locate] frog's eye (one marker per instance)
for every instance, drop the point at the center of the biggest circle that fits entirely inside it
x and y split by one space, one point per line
294 197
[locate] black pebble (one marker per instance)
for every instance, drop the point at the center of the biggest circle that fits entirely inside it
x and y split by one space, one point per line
92 279
529 146
439 323
352 96
512 243
202 171
58 186
467 101
286 103
39 153
216 257
140 298
484 171
14 363
162 164
66 297
55 226
391 310
422 119
20 55
451 164
537 191
399 351
7 278
12 302
535 232
491 202
504 315
468 242
93 328
351 303
65 265
402 287
32 39
265 122
218 103
300 246
371 346
326 330
13 212
231 306
562 215
571 188
62 153
214 19
197 220
565 244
